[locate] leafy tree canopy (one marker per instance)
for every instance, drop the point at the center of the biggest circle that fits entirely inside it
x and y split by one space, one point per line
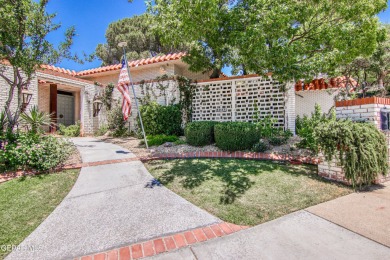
141 40
291 38
205 26
24 25
373 72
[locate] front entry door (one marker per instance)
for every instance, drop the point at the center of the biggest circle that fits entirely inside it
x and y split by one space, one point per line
65 109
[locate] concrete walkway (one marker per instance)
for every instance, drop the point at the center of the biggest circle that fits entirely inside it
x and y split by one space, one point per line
366 213
300 235
356 226
109 207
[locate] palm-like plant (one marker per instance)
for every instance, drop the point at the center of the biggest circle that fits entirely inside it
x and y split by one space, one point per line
3 122
36 119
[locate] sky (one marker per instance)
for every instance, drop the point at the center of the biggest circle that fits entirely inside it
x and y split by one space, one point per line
91 19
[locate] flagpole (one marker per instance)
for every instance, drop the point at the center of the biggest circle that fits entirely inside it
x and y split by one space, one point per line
123 45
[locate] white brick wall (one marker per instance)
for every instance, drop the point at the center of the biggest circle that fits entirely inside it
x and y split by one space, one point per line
369 112
4 90
305 101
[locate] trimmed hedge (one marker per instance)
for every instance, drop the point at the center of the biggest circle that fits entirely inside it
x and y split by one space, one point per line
161 120
236 136
200 133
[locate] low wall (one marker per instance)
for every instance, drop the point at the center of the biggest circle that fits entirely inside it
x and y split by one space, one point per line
367 109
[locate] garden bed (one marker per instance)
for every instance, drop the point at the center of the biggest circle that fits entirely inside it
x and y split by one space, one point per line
245 192
135 146
74 157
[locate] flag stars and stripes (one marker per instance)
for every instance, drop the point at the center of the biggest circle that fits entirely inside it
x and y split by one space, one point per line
123 87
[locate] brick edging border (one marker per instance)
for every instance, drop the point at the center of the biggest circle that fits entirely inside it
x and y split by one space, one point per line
363 101
233 155
190 155
166 243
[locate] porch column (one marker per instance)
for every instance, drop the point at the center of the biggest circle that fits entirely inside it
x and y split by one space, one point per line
82 109
53 105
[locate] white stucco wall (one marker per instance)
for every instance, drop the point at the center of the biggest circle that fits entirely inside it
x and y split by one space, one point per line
305 101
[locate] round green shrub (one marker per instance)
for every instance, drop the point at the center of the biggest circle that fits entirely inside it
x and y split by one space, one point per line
33 151
236 136
161 120
200 133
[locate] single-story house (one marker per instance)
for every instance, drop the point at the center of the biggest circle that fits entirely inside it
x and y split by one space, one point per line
69 94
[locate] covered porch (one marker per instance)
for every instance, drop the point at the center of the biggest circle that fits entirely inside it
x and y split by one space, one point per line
63 101
67 99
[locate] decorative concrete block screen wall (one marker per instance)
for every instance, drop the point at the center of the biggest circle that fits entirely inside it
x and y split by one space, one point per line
238 98
365 109
305 101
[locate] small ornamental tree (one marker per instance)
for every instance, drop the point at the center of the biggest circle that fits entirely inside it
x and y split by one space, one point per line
24 26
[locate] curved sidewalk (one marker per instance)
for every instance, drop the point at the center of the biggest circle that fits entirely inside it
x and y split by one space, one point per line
110 206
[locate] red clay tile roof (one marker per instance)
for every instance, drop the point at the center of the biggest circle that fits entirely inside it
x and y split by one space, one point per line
136 63
318 84
57 69
59 72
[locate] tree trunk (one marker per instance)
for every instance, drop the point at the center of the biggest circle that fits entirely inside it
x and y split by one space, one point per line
244 71
381 79
216 73
16 86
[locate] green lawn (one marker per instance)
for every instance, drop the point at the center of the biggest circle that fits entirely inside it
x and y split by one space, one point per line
26 202
245 192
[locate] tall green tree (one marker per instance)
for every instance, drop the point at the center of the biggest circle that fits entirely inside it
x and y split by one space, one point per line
291 38
372 73
204 26
141 40
301 38
24 26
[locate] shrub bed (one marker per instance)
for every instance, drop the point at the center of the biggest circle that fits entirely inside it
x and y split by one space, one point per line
32 151
200 133
69 131
115 122
236 136
360 148
160 119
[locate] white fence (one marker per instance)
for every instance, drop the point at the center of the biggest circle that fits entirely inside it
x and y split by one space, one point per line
245 99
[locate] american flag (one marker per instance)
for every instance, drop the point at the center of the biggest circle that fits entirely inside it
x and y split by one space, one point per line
123 87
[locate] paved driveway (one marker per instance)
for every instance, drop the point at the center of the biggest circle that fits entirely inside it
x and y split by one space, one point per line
299 235
109 207
366 213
